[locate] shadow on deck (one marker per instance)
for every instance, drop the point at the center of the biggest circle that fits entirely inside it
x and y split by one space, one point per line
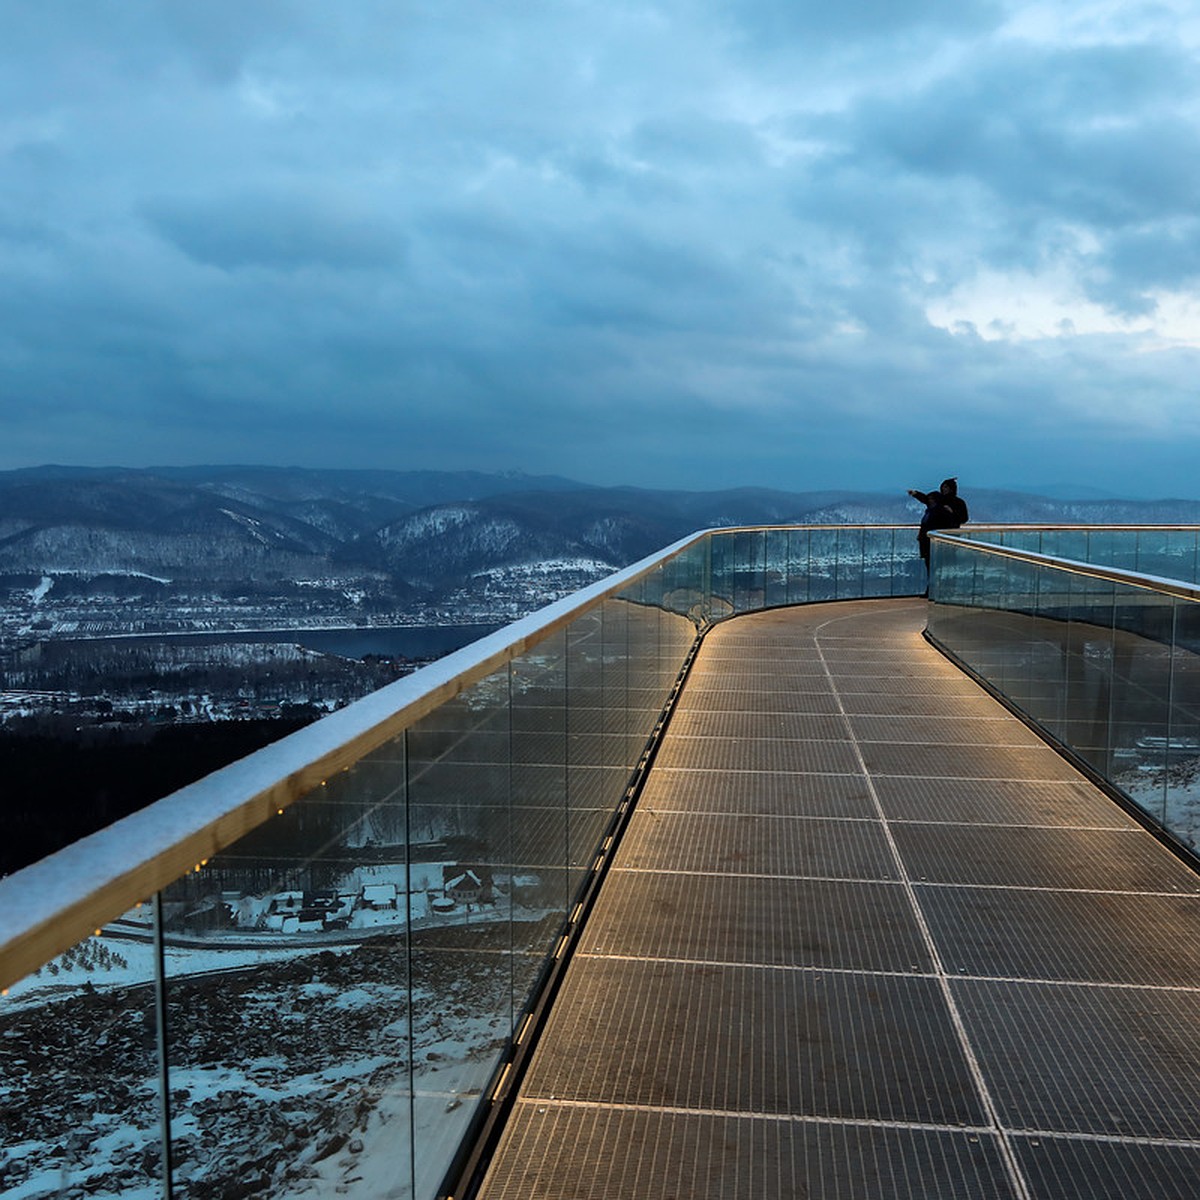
868 937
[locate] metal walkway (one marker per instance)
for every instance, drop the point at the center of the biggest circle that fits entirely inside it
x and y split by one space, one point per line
867 938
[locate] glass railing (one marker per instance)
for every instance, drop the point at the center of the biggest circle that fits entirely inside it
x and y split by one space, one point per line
313 971
1166 551
1106 662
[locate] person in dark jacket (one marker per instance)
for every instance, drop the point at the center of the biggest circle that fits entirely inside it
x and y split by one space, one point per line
944 509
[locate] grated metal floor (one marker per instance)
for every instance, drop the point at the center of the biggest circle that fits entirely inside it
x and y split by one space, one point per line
868 938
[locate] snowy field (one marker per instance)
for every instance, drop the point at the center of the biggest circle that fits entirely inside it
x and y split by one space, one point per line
298 1067
1170 794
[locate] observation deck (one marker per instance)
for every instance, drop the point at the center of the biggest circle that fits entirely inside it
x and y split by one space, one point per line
745 872
867 935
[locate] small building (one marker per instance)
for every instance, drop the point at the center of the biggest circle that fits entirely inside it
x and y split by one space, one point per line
378 896
467 884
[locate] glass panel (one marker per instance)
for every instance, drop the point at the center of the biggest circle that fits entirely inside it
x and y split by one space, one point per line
822 564
997 537
79 1070
910 568
1113 548
722 575
748 584
1019 600
1180 552
678 635
614 680
533 883
799 565
991 581
288 994
588 723
776 559
1141 696
1140 699
1053 611
1154 555
599 773
885 573
647 688
849 573
1089 669
956 575
1167 553
686 580
459 789
1068 543
1182 799
1021 539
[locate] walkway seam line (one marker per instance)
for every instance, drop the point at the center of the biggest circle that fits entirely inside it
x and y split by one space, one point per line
920 883
675 1110
866 973
1007 1152
659 811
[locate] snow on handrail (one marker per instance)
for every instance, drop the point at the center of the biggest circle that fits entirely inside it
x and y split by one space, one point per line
54 903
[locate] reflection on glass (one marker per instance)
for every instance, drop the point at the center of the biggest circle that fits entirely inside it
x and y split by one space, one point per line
535 877
1182 798
822 564
1166 553
1111 670
776 567
848 574
798 566
589 725
722 575
459 789
748 570
1113 548
288 997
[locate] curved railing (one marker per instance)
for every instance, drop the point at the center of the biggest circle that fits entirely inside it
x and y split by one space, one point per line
317 966
1164 551
1104 661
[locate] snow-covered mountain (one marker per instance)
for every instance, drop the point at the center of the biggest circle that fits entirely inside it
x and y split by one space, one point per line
236 530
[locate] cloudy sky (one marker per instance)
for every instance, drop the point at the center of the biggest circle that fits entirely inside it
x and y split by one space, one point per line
687 243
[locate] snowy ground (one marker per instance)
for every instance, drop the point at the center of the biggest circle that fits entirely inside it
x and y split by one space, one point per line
1170 794
290 1065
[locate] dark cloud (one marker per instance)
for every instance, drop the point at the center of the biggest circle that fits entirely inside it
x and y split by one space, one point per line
1085 133
1165 255
694 141
1034 152
280 231
693 242
83 49
777 22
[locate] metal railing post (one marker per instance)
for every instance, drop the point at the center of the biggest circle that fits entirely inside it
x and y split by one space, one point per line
160 1024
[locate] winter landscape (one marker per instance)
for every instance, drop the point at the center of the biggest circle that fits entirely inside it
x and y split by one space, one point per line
305 1050
91 553
321 1018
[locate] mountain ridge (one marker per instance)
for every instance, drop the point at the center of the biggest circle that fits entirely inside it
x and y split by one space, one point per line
351 544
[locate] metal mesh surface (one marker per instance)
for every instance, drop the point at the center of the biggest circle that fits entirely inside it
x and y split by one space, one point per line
840 956
1071 803
597 1153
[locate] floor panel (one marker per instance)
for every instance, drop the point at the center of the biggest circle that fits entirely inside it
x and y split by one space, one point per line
867 938
622 1154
